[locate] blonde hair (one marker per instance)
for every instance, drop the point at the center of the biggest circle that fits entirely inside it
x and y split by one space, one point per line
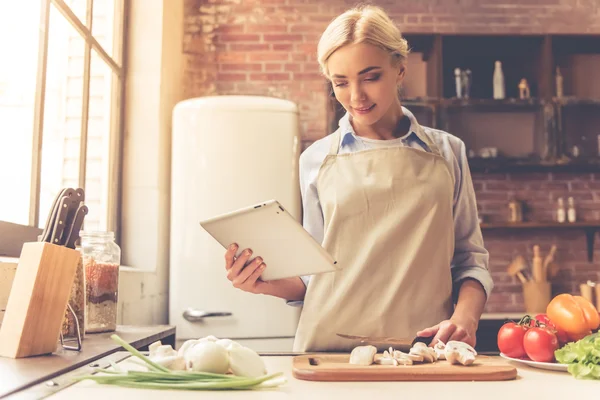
363 24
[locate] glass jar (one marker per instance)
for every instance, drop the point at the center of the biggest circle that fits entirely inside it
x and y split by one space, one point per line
101 261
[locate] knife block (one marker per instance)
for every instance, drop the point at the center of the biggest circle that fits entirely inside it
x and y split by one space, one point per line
37 301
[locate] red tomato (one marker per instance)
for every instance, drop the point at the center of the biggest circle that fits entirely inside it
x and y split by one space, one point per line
561 335
510 339
540 344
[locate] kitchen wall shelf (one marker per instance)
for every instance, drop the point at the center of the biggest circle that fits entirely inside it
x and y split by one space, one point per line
500 165
543 130
589 227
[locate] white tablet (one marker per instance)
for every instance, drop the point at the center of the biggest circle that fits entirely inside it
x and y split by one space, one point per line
272 233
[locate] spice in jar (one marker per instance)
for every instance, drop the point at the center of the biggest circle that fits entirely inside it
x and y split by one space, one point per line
101 261
102 281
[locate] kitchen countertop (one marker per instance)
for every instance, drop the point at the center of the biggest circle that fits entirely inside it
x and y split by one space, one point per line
18 374
530 384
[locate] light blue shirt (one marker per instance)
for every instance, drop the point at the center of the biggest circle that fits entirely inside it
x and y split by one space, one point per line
470 258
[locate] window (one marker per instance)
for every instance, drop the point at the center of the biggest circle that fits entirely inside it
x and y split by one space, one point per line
61 108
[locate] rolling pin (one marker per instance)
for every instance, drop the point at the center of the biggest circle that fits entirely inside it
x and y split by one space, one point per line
537 265
548 260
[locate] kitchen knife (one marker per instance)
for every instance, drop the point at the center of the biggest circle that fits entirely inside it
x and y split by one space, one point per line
73 233
59 221
387 341
45 236
77 197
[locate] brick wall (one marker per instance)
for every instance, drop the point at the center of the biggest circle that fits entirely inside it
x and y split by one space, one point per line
267 47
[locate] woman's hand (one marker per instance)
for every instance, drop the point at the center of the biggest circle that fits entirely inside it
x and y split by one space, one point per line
458 328
243 271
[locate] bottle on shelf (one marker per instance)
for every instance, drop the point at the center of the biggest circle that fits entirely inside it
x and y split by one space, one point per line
499 89
571 213
458 82
559 83
560 211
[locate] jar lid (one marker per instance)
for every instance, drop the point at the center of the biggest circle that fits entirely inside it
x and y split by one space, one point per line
97 235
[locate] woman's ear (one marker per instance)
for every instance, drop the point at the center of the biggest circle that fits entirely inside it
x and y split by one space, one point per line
401 74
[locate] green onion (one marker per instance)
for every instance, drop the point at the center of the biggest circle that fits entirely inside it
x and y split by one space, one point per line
161 378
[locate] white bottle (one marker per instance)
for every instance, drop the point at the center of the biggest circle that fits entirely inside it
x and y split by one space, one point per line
458 82
571 213
559 83
499 92
560 211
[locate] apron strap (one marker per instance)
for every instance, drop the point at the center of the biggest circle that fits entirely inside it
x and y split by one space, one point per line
335 142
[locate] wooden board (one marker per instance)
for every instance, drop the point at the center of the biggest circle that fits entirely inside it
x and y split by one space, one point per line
335 367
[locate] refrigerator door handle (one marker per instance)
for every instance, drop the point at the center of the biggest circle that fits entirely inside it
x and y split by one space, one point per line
193 315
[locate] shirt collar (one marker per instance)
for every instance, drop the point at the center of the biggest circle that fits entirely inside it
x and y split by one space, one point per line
348 136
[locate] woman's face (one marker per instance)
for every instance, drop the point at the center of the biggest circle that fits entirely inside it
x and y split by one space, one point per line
364 81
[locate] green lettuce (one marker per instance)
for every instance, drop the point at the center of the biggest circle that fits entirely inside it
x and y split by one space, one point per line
582 356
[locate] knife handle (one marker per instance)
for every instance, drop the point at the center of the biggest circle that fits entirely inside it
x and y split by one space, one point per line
46 233
73 233
60 220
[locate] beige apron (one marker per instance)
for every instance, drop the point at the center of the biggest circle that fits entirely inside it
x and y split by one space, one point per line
389 224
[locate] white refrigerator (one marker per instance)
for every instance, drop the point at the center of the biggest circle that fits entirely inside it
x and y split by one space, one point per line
228 152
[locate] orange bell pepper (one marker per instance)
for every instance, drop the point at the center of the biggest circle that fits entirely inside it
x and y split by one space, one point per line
573 314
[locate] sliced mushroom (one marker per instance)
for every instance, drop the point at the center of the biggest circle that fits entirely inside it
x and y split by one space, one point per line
386 361
412 356
363 355
460 353
440 350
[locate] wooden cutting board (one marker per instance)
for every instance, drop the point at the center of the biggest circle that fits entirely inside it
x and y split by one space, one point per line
335 367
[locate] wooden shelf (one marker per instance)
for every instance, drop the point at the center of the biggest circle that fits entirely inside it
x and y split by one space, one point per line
507 165
589 227
540 224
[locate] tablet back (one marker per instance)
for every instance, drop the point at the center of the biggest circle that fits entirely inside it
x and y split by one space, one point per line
272 233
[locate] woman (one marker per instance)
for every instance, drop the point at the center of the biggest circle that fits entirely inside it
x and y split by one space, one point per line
391 200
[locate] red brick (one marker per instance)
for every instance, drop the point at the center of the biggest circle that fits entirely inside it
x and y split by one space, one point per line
282 46
249 46
270 77
231 57
298 57
267 28
273 67
307 47
269 56
305 28
241 67
229 77
238 37
230 29
283 37
307 76
293 67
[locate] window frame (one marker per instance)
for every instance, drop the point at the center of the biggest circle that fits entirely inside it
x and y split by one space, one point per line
14 235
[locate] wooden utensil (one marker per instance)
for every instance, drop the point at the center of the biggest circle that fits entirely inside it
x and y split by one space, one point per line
537 265
549 258
516 268
335 367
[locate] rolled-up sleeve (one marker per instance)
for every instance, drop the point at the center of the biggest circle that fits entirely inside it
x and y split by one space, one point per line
471 259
